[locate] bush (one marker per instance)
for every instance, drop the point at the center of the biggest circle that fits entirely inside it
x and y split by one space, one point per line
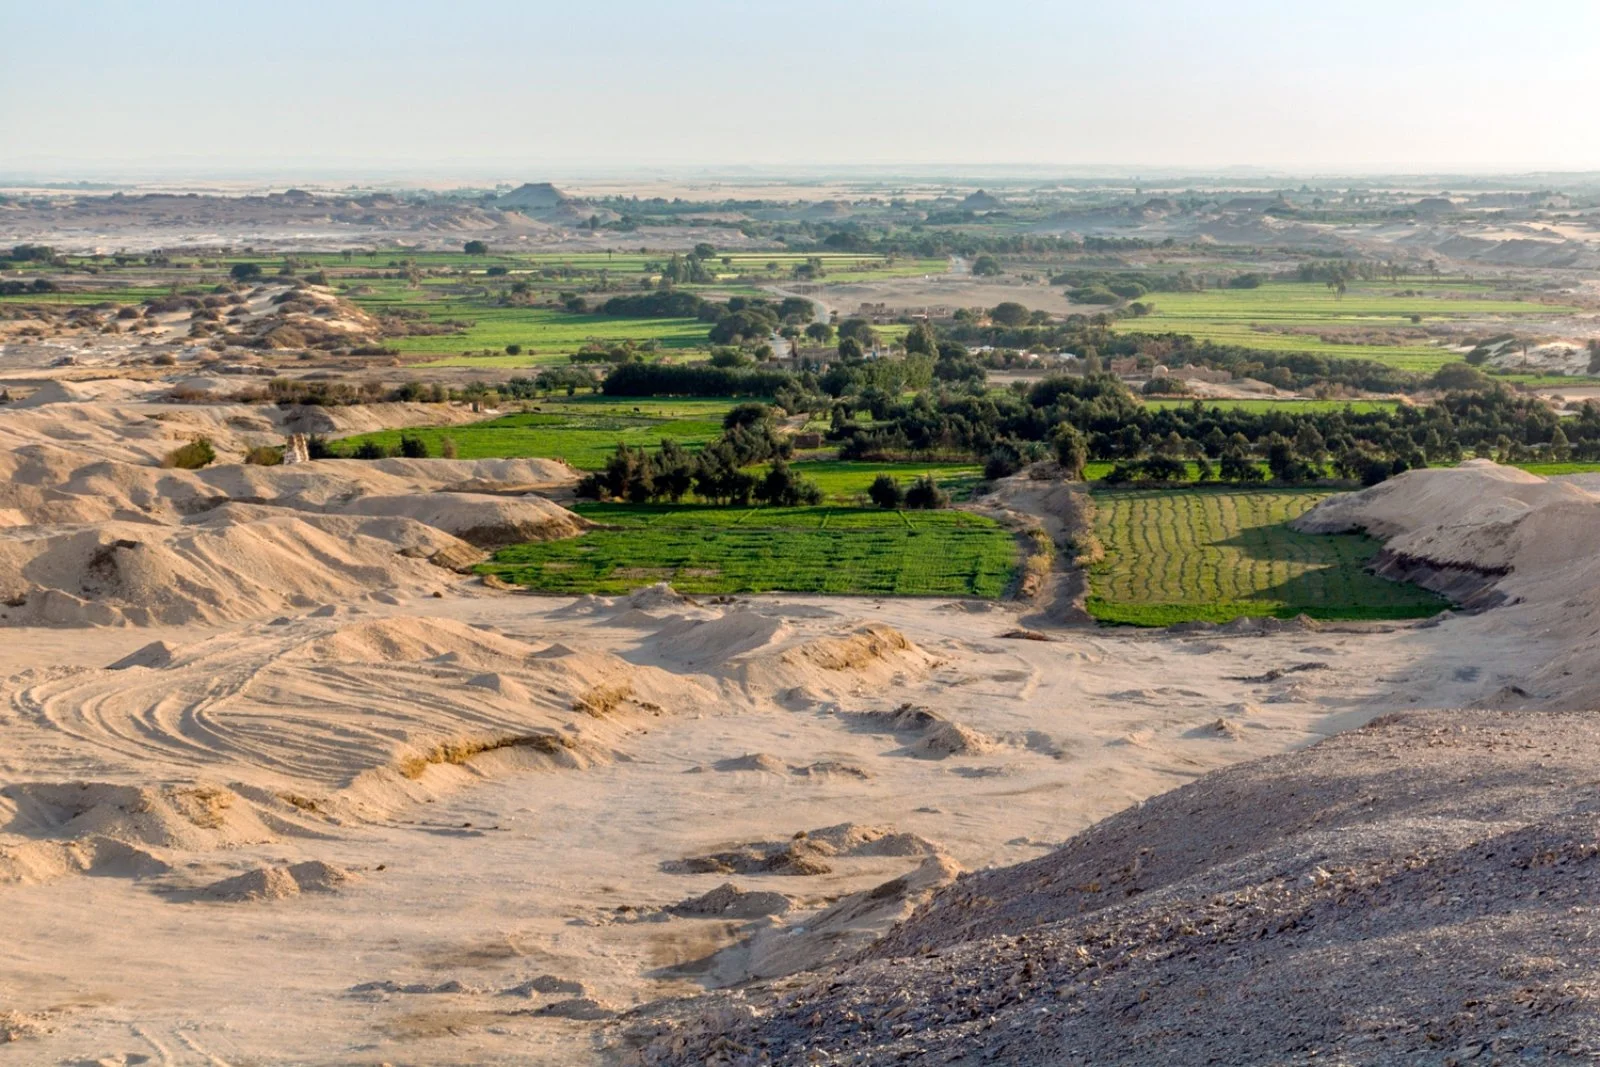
192 456
371 450
513 350
317 447
781 488
1002 462
886 492
926 495
412 447
245 272
1168 386
264 456
447 447
749 414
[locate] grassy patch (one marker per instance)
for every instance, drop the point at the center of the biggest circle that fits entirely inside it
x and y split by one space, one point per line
1548 470
846 482
753 550
1270 316
584 440
1216 554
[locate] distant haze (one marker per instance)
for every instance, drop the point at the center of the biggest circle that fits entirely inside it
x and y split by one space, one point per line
536 89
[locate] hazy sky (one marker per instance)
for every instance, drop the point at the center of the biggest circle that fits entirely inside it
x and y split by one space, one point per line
457 86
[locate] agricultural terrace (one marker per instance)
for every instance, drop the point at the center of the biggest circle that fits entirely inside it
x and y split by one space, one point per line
1374 318
755 550
1217 554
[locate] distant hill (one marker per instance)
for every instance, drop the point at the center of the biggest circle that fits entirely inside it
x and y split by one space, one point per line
533 196
981 201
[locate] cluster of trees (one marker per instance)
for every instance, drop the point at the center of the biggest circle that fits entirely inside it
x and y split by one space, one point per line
923 493
695 379
11 287
1095 417
409 447
715 474
32 254
741 320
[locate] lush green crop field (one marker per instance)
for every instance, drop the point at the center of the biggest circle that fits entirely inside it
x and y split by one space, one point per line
1231 316
1549 470
740 550
585 441
1297 407
546 335
1216 554
846 482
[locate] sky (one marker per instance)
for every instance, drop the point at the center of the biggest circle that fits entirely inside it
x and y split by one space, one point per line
459 87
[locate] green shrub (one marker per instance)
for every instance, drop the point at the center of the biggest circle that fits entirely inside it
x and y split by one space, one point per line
886 492
925 494
192 456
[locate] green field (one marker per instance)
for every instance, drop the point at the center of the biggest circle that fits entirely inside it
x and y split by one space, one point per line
1549 470
584 440
1258 318
753 550
1217 554
845 482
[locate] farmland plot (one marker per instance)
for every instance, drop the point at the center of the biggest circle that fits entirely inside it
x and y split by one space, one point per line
1216 554
754 550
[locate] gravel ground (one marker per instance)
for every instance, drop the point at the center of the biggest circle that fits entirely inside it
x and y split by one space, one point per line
1422 890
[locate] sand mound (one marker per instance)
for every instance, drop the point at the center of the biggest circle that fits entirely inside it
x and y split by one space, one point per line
144 575
654 598
32 862
764 763
728 901
1482 534
712 641
949 739
756 761
935 737
547 984
874 655
154 655
279 883
412 639
185 817
16 1025
486 521
788 942
805 852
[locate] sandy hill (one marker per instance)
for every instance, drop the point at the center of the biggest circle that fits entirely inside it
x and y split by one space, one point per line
533 196
1419 891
